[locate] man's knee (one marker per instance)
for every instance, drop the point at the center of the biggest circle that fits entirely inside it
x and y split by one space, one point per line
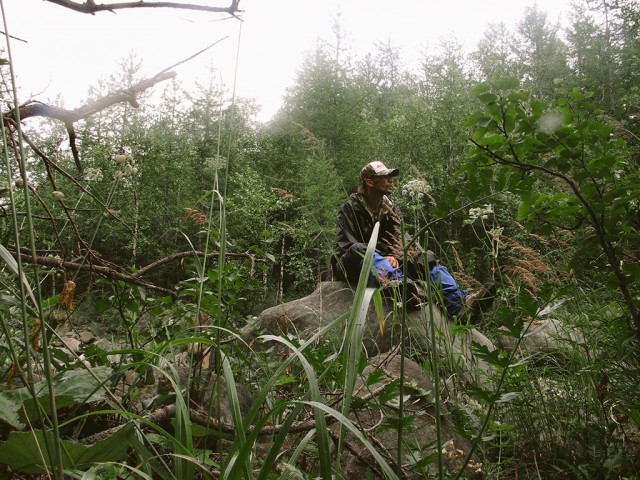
432 259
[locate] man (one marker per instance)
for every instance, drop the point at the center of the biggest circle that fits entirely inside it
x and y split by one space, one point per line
354 225
355 222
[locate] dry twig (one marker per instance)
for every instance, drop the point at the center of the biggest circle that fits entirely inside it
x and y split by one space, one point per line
90 7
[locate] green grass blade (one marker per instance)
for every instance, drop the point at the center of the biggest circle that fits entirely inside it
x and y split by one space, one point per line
355 330
344 421
321 425
13 265
259 401
234 405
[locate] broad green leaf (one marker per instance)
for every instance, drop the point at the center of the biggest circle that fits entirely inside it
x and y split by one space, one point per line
487 98
509 121
480 88
493 141
518 96
11 402
478 134
20 451
474 119
72 387
524 209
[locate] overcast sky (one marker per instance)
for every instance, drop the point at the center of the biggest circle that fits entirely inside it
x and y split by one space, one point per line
65 52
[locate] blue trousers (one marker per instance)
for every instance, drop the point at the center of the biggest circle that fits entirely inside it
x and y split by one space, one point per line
441 279
383 270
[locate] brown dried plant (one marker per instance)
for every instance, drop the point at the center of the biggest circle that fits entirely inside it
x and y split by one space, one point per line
395 243
522 265
196 216
464 280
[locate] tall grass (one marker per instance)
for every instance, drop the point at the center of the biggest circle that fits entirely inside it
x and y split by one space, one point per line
52 450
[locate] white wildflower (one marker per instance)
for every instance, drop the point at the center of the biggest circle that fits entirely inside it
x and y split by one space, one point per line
118 175
120 159
416 189
58 195
215 163
479 213
92 174
496 232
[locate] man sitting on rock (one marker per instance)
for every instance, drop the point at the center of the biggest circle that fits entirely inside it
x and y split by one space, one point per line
357 217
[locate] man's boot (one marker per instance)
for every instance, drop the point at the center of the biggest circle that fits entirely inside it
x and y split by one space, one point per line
479 302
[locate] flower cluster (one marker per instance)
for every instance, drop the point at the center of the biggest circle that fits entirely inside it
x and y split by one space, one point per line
128 163
479 213
216 163
416 189
92 174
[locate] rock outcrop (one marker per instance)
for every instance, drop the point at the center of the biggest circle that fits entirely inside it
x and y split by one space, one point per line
303 318
419 437
544 336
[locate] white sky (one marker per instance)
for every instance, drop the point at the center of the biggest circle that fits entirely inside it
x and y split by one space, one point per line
67 51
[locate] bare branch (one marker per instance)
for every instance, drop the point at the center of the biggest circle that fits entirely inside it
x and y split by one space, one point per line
110 271
90 7
192 56
38 109
181 255
69 117
107 272
215 423
55 166
74 147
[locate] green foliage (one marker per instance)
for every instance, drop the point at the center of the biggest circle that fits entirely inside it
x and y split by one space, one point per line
18 451
568 170
543 153
72 387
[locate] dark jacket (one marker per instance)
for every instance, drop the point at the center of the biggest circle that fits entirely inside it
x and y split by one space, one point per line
354 227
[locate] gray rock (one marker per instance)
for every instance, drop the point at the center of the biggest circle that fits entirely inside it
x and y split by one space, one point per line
419 436
548 336
303 318
87 337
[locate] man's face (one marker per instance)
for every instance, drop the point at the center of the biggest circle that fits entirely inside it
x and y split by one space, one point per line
382 184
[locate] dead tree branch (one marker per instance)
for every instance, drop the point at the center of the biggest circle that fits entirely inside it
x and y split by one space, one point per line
51 164
202 418
68 117
108 272
181 255
90 7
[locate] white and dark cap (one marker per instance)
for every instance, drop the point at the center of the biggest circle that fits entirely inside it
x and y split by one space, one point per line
377 169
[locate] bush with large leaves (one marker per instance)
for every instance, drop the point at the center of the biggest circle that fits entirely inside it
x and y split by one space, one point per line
571 172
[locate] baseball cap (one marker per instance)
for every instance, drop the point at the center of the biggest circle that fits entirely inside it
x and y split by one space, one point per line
377 169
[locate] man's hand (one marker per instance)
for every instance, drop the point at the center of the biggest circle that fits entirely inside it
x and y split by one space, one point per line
393 261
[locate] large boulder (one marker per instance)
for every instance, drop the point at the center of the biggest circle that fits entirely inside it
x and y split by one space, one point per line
303 318
544 336
419 436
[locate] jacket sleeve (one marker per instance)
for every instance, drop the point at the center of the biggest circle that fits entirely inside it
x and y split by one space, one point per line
350 244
